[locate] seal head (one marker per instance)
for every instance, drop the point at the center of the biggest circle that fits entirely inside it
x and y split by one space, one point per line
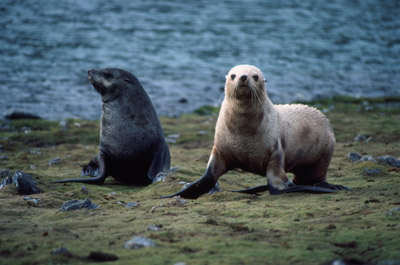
132 145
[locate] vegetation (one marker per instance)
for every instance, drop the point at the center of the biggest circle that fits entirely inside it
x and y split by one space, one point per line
221 228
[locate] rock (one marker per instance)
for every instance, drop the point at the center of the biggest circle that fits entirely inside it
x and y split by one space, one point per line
363 138
17 115
84 190
154 227
61 251
54 161
5 173
76 205
3 157
183 100
180 263
31 201
164 174
90 171
393 211
6 181
100 256
25 184
372 172
354 156
367 158
131 204
390 160
172 138
139 242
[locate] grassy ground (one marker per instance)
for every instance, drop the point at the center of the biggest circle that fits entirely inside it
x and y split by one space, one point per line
223 228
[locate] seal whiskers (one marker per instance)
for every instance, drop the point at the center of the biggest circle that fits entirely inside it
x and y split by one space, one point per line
266 139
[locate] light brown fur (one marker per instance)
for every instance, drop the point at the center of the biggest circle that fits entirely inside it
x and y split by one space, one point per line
266 139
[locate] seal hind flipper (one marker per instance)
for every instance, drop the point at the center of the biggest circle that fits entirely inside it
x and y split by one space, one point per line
327 185
274 191
299 188
253 190
197 188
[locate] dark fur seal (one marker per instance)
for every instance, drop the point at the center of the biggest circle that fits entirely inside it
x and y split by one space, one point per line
266 139
132 145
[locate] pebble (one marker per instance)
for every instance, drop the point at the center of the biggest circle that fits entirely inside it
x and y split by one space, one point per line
61 251
372 172
393 211
139 242
389 160
76 205
3 157
31 200
172 138
131 204
154 227
54 161
354 156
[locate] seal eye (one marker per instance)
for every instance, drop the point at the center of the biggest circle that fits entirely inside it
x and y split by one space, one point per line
255 77
233 76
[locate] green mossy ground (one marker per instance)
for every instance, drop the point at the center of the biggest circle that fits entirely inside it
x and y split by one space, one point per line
223 228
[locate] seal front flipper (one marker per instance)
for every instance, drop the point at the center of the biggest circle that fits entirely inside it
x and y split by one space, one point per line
99 160
197 188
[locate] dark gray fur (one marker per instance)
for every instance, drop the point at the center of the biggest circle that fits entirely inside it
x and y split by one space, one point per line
132 145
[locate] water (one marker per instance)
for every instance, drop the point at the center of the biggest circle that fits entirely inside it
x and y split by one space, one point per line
182 50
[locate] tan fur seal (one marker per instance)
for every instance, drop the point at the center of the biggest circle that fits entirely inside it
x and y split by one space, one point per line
266 139
132 145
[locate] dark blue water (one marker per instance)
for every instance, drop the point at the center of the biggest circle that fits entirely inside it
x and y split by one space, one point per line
182 50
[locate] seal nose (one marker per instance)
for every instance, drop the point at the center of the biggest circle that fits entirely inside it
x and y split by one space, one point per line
243 78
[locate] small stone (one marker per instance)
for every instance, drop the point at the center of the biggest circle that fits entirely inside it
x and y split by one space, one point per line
393 211
161 176
354 156
76 205
372 172
31 201
84 190
172 138
362 138
3 157
183 100
61 251
139 242
154 227
6 181
367 158
25 184
180 263
131 204
32 166
390 160
54 161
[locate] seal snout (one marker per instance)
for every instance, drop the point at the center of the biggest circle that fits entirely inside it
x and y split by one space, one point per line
243 78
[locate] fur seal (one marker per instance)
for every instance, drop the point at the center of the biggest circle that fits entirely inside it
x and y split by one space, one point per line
132 145
266 139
